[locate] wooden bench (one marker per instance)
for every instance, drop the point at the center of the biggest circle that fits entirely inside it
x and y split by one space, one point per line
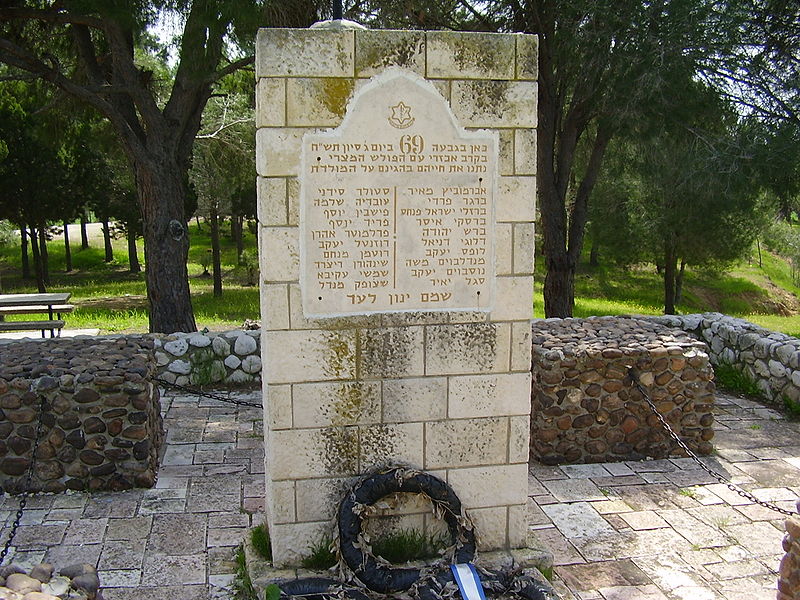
44 325
52 305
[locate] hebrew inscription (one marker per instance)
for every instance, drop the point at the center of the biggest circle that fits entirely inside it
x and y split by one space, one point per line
397 206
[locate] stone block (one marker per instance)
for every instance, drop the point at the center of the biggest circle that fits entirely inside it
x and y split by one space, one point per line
392 352
469 348
283 502
489 395
291 542
336 404
304 53
468 55
527 57
272 201
271 103
516 199
519 440
317 499
517 525
523 248
521 346
400 443
490 526
525 152
504 248
293 199
506 156
513 299
279 406
420 399
280 254
379 49
305 453
492 103
278 151
498 485
317 102
275 306
466 442
300 356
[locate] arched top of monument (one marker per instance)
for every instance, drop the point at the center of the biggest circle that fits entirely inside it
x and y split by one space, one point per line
400 101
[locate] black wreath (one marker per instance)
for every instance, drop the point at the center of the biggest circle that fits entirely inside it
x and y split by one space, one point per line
376 575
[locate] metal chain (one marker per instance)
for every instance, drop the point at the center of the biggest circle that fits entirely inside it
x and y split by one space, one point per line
196 392
634 376
23 501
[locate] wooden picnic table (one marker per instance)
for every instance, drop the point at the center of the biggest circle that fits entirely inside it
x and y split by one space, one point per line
53 304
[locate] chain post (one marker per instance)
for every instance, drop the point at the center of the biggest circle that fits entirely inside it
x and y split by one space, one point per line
23 501
634 376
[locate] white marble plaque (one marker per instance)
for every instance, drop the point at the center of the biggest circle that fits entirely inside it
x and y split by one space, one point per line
397 206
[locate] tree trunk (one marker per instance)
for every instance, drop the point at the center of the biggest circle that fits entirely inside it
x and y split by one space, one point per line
107 240
215 254
26 264
236 234
67 251
160 190
133 256
669 278
758 245
594 255
43 254
679 283
37 260
84 233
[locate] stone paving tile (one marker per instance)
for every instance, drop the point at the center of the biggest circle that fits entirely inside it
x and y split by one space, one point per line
707 542
577 520
574 490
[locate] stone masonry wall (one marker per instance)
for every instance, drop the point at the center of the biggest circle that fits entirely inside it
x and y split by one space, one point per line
584 408
201 358
101 420
769 358
789 572
446 392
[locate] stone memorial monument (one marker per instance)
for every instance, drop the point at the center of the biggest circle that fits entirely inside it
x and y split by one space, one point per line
396 199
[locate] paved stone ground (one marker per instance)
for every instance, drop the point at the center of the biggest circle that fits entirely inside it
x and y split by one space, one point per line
664 529
650 530
175 541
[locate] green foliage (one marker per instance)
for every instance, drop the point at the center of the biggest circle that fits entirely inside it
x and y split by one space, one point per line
249 261
272 592
409 544
547 572
242 585
792 407
259 536
734 379
321 556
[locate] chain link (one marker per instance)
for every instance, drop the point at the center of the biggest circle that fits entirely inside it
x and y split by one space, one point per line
634 376
196 392
23 501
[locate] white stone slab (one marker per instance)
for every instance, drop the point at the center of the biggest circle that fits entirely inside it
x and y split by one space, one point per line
397 206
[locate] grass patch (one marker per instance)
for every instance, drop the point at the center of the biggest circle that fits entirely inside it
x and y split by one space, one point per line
321 557
242 585
734 379
409 544
108 297
259 536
